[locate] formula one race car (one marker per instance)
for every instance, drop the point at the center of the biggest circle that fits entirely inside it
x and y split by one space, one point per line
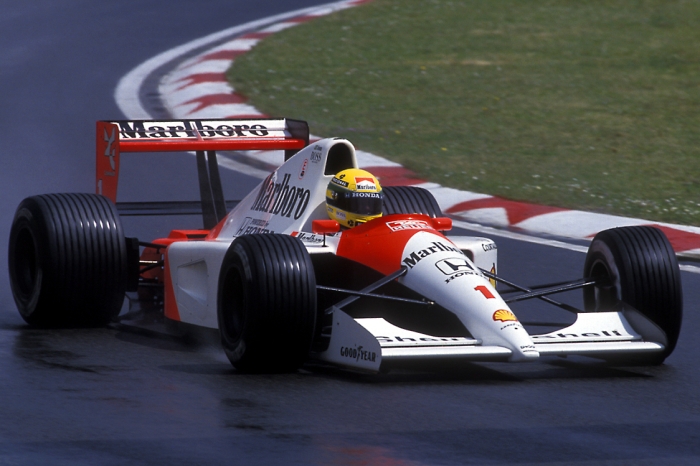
283 284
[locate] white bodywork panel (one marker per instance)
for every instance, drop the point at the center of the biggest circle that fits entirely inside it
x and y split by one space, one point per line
483 251
293 196
194 269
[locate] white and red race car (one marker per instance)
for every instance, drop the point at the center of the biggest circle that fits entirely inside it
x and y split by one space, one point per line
282 284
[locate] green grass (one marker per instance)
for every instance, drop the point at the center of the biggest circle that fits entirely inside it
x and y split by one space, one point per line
592 105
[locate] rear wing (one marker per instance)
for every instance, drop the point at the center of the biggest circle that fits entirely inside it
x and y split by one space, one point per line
204 137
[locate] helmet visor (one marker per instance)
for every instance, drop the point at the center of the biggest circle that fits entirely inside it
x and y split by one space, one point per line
358 203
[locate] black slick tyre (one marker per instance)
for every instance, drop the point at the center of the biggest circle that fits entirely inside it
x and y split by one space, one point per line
67 260
410 200
642 271
267 303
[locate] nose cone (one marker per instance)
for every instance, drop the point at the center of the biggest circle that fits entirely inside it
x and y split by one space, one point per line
441 272
514 336
520 355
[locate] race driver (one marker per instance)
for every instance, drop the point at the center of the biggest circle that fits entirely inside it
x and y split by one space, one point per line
353 197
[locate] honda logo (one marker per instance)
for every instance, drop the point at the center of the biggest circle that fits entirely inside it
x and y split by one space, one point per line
454 265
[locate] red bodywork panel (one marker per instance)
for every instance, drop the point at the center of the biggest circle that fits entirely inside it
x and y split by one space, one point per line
360 244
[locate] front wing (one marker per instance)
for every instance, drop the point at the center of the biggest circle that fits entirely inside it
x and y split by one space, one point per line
373 344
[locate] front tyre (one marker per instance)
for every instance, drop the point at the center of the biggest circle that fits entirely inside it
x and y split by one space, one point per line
410 200
642 271
67 260
267 303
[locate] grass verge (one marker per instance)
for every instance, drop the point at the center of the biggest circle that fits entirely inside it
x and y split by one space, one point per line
580 104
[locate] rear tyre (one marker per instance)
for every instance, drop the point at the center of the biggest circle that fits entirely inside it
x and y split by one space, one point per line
410 200
267 303
642 272
67 260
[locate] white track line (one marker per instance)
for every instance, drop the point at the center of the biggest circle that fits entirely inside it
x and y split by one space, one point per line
519 236
127 91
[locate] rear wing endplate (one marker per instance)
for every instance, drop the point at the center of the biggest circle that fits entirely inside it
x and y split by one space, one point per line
204 137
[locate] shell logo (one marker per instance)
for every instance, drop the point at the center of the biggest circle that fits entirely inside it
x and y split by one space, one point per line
504 315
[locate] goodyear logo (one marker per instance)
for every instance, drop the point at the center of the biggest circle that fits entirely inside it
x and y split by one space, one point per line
358 354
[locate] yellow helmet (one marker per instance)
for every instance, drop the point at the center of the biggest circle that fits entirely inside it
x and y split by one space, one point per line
353 197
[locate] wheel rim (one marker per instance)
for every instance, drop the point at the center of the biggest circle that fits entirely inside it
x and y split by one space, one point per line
234 304
26 266
607 294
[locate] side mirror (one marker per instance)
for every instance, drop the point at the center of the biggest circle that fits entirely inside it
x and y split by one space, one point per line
442 223
329 226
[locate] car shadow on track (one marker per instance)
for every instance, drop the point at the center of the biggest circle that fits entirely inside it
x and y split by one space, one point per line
476 373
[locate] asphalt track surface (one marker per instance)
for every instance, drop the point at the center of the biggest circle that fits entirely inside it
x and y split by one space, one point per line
118 396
